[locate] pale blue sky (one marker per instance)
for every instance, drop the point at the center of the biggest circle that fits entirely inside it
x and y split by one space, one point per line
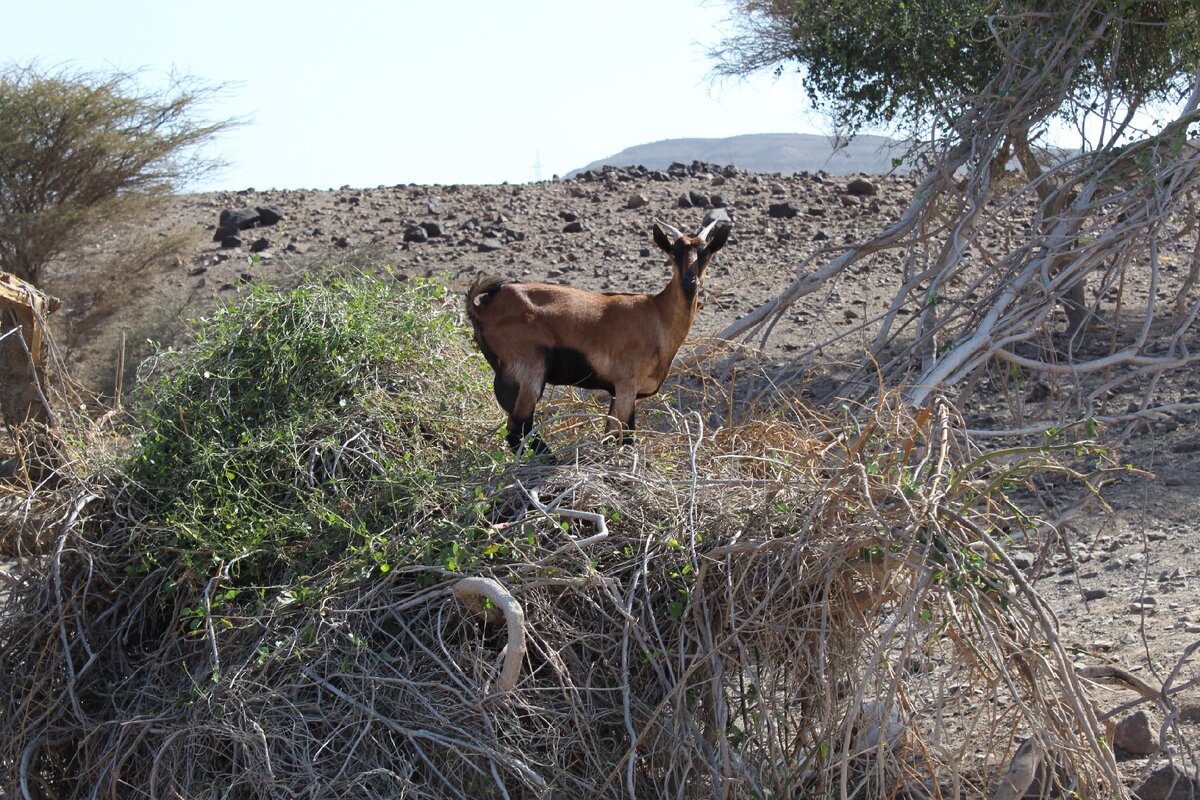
380 93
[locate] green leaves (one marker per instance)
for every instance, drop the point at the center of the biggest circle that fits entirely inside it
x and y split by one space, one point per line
304 427
878 63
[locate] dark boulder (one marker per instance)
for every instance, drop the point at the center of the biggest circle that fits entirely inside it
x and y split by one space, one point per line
243 218
224 231
269 215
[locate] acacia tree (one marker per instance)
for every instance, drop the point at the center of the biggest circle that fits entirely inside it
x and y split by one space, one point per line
76 149
926 62
973 82
80 148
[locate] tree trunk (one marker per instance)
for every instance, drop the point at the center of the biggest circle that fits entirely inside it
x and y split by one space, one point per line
23 402
1074 299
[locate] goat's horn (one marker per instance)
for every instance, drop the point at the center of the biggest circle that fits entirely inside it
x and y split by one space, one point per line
676 234
708 229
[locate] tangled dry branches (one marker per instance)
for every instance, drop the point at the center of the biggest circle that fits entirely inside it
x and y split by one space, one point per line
965 313
787 606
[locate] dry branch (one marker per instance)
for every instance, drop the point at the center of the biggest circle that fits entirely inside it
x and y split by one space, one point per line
777 607
967 313
469 590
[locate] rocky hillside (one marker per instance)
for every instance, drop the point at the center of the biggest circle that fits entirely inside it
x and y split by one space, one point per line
592 231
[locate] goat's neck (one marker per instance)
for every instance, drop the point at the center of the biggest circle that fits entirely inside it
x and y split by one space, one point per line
676 309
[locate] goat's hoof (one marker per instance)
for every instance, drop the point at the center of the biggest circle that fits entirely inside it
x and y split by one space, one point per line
534 449
619 438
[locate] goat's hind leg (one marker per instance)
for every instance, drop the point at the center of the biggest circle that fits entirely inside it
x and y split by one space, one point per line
621 412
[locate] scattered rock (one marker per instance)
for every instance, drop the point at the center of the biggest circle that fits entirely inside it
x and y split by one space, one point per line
861 187
1094 594
490 244
231 241
1168 782
715 215
782 211
416 234
1022 559
1146 605
224 231
637 201
269 215
1134 735
1187 446
260 244
1038 392
573 227
1189 712
242 218
434 229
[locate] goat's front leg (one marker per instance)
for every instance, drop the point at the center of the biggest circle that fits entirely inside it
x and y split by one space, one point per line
520 419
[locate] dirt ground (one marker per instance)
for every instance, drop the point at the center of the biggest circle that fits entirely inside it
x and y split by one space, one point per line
1138 563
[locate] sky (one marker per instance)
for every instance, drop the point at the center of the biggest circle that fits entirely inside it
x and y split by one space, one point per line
432 92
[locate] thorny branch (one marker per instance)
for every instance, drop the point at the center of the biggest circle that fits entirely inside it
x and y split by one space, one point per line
1092 228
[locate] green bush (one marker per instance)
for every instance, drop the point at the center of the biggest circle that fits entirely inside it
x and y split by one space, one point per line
306 425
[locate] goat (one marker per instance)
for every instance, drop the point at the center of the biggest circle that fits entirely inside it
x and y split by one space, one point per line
537 333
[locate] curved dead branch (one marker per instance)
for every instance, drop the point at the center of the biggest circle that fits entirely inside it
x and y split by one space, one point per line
469 591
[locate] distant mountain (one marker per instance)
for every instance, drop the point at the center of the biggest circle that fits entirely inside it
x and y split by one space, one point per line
786 153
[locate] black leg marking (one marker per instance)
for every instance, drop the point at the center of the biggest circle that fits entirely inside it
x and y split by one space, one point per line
519 434
506 390
518 430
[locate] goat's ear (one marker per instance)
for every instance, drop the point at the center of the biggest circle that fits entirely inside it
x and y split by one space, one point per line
716 240
662 238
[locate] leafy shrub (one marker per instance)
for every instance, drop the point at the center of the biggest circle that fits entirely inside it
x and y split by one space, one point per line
305 423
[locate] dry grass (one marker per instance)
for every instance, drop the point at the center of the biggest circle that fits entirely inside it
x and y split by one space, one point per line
791 606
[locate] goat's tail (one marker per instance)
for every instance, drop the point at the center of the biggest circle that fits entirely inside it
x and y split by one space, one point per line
481 291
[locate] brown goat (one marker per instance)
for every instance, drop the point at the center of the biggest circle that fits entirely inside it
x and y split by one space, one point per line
538 333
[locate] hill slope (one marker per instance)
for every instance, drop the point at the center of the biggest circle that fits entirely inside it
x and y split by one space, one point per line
786 153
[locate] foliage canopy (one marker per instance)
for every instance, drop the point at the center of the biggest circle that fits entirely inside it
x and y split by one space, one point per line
299 424
910 62
79 148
